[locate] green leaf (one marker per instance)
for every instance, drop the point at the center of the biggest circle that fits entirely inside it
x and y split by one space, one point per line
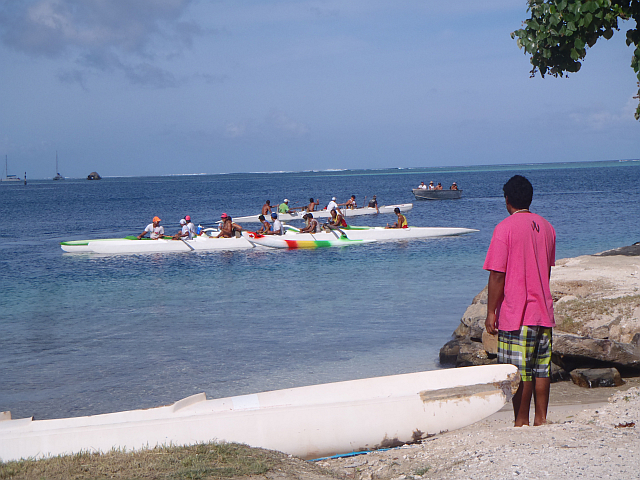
587 19
608 33
579 44
574 54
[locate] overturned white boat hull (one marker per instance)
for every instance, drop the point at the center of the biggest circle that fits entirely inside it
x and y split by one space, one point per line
308 422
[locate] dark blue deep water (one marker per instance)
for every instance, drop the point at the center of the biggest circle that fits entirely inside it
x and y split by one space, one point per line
85 334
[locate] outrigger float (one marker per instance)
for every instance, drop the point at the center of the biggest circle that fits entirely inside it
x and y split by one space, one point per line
308 422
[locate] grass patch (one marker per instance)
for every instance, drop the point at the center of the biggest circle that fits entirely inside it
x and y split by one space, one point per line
203 461
572 315
422 470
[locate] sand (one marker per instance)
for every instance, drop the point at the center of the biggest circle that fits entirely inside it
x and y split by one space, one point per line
581 441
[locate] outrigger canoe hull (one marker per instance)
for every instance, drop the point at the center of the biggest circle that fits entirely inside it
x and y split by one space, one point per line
308 422
288 217
302 241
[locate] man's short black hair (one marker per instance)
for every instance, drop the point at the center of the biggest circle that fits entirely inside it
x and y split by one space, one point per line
518 191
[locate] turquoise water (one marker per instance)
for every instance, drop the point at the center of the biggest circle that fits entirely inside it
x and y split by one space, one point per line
85 334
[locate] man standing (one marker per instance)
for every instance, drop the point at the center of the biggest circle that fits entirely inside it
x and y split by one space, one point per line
520 306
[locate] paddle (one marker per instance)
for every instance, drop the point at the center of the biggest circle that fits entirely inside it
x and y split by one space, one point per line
192 249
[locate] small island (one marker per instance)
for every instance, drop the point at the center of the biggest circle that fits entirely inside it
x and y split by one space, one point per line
94 176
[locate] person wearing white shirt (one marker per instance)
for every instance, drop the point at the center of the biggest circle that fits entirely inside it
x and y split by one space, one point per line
332 204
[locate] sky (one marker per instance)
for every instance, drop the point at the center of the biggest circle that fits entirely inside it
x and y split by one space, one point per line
162 87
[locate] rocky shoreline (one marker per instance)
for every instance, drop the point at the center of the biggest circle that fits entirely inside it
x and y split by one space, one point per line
597 309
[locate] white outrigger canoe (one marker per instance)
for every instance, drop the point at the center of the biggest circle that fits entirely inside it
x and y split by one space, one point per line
308 422
131 245
353 212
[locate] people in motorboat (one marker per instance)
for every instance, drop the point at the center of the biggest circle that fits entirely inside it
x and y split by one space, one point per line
454 186
312 205
422 186
266 208
373 203
183 234
431 186
332 204
337 220
439 186
154 229
402 220
277 228
312 225
351 203
228 229
266 226
284 206
190 226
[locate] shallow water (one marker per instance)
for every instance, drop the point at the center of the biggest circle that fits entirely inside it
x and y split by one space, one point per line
85 334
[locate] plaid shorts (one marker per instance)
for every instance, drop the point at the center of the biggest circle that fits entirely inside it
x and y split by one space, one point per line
529 349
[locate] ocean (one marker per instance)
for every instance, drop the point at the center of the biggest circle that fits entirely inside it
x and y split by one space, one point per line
84 334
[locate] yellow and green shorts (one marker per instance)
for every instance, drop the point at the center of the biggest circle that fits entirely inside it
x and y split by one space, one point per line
529 349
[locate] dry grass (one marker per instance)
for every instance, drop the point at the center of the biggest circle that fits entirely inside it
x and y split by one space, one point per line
572 315
204 461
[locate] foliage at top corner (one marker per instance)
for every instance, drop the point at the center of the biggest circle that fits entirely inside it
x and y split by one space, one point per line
559 32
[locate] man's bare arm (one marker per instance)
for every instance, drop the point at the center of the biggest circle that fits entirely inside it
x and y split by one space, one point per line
496 292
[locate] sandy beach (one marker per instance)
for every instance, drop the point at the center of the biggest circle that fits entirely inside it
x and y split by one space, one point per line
581 441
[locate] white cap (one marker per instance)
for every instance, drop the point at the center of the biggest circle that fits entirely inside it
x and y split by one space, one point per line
286 200
333 198
183 221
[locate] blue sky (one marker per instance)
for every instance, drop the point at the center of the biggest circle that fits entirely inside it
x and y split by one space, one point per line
158 87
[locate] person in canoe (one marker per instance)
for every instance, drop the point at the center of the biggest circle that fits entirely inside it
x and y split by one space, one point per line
373 203
228 228
351 203
337 220
278 228
439 186
266 208
284 207
312 224
454 186
402 220
266 226
422 186
312 205
190 226
332 204
155 230
183 234
431 186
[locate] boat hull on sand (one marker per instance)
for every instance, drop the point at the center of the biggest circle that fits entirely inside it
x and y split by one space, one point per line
308 422
426 194
354 212
305 241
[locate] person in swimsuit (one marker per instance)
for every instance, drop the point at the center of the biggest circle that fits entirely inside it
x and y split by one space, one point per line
266 226
312 205
266 208
454 186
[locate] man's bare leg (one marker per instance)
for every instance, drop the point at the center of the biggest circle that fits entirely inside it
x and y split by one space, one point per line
541 391
521 403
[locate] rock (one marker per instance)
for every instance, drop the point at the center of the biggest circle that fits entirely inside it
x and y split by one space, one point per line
474 318
94 176
576 350
449 352
596 377
559 374
490 343
462 331
482 297
473 353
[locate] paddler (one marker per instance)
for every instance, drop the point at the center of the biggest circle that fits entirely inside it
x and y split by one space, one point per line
190 226
266 208
284 207
228 229
155 230
183 234
402 220
312 224
373 203
278 228
312 205
351 203
266 226
337 220
332 204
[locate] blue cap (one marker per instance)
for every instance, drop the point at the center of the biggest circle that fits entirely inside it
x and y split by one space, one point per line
274 215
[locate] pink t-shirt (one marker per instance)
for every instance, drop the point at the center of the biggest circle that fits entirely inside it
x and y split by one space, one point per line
524 248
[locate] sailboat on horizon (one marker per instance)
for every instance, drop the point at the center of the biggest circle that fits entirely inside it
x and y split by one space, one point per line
10 178
57 176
